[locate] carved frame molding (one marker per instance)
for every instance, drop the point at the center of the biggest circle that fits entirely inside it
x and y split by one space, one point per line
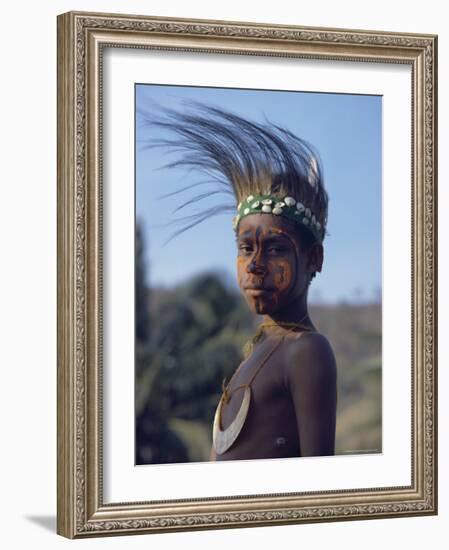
81 39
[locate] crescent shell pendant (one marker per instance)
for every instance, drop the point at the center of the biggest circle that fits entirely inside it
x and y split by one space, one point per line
224 439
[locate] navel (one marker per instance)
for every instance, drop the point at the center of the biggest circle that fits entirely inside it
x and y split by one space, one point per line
280 441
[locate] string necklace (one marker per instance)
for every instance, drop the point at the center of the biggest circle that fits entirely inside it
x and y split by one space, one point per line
249 346
224 439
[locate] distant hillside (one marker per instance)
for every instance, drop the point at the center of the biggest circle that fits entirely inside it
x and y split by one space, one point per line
355 332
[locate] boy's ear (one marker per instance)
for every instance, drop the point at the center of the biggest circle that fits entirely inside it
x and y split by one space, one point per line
316 256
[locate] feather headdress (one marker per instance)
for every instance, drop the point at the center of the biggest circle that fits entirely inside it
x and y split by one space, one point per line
263 167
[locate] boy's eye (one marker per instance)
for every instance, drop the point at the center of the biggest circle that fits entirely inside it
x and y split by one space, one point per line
245 248
276 249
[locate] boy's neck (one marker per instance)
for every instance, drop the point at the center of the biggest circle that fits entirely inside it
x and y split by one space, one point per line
297 312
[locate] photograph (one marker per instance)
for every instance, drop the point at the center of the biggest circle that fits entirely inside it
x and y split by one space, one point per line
258 275
246 274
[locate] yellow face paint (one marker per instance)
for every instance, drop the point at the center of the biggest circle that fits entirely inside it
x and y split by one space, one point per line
270 264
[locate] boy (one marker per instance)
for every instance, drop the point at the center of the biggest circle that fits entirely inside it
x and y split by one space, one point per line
281 401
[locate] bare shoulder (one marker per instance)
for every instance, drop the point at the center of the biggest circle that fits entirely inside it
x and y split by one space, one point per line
310 356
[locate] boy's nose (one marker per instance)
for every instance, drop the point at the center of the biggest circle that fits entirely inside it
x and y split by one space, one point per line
256 267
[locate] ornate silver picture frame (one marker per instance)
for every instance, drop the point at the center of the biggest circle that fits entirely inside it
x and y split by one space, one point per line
83 468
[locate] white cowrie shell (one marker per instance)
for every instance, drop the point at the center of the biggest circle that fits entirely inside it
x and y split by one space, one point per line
277 211
289 201
266 208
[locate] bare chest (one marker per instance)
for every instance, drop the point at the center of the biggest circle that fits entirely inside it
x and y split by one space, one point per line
265 377
258 414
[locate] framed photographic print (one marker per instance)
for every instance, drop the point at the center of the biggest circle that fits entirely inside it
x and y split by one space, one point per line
246 274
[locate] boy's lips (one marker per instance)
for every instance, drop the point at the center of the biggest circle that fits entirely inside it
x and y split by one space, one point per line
257 290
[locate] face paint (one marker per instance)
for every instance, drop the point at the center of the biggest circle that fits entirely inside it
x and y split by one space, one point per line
270 264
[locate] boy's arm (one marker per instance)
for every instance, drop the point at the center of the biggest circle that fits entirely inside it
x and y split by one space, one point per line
312 381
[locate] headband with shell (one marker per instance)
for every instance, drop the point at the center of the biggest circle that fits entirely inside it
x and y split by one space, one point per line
265 168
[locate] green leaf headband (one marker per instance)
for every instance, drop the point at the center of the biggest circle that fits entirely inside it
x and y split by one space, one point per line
288 207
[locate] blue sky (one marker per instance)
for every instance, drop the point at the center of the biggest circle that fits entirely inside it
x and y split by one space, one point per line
345 129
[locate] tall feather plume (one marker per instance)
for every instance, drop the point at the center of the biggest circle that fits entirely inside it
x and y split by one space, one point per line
239 157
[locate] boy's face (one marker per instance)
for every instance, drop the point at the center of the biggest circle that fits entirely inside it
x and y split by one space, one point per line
273 269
